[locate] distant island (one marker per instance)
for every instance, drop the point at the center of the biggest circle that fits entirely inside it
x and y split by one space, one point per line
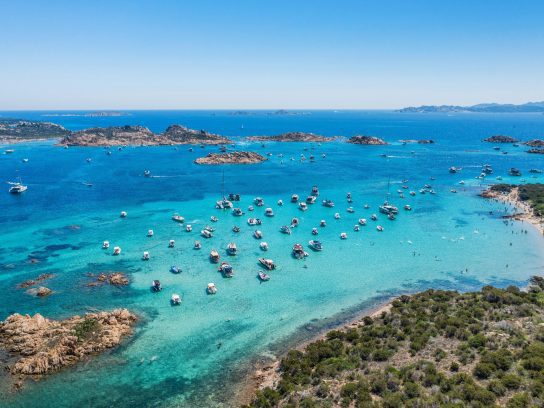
97 114
140 135
281 112
292 137
17 130
366 140
501 139
529 107
231 158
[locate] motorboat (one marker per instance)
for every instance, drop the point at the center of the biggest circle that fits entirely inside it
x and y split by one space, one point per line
175 269
362 221
226 270
343 235
315 191
123 214
412 193
366 206
150 233
213 218
145 256
337 216
328 203
259 202
462 182
234 197
310 199
453 190
454 169
206 233
314 231
209 228
197 245
356 228
175 299
263 246
387 208
231 248
117 250
267 263
373 217
9 151
254 221
147 173
302 206
188 228
223 204
350 210
156 286
17 188
257 234
214 256
235 229
178 218
315 245
487 169
171 243
514 172
268 212
88 160
211 289
280 202
285 229
263 277
105 244
407 207
348 196
294 198
322 223
298 251
379 228
250 208
391 216
237 212
294 222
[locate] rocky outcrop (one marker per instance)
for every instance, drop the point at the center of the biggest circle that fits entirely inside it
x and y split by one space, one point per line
292 137
420 141
181 135
231 158
536 151
39 346
43 291
366 140
535 143
32 282
13 130
140 136
501 139
113 278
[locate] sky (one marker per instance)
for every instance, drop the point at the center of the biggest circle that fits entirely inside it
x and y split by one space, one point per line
305 54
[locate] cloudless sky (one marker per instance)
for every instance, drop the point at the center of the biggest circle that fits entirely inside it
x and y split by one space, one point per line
72 54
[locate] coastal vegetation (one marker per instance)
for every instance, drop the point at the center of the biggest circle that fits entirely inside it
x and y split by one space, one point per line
293 137
366 140
435 348
231 158
532 194
501 139
529 107
15 130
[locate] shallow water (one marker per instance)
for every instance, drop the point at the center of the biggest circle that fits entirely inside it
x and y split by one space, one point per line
190 355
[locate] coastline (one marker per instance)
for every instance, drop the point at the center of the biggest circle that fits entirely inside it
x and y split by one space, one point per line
512 199
266 373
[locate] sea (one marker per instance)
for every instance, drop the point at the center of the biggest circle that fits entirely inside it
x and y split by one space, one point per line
198 353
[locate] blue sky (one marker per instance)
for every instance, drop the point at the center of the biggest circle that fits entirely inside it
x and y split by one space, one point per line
269 54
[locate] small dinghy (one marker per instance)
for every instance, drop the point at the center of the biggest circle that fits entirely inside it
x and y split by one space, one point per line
294 222
123 214
175 299
175 269
379 228
105 244
280 203
226 270
197 245
263 277
343 235
145 256
257 234
337 216
178 218
314 231
362 221
263 246
171 243
150 233
156 286
117 250
232 249
214 256
315 245
211 288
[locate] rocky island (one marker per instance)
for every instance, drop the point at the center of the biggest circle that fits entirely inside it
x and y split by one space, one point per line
38 346
292 137
418 141
366 140
535 143
140 136
231 158
15 130
501 139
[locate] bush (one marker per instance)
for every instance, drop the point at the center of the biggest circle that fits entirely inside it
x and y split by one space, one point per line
84 329
511 381
477 341
519 401
483 370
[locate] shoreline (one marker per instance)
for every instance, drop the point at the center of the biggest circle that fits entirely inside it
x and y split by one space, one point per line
266 373
512 199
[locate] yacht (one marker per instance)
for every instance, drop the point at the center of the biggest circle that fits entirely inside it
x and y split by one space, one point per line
302 206
379 228
17 188
175 299
514 172
197 245
171 243
178 218
188 228
105 244
213 218
226 270
362 221
123 214
175 269
387 208
117 250
206 233
315 191
280 202
310 199
263 246
214 256
343 235
263 277
211 289
268 212
254 221
407 207
231 248
328 203
145 256
294 198
150 233
285 229
298 251
257 234
237 212
315 245
156 286
267 263
259 202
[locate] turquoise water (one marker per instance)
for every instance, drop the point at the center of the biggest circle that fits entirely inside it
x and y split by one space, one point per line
193 355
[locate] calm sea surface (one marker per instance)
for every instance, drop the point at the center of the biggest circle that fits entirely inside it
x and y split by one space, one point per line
193 355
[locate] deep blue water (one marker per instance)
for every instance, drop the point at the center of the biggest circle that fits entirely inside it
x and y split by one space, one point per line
448 240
